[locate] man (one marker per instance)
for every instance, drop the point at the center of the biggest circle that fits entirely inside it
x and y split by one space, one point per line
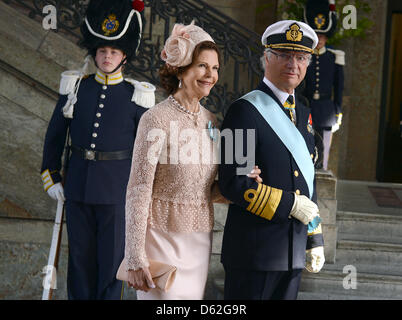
266 232
324 78
102 118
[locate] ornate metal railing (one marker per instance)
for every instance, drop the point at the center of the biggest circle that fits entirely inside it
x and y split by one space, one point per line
240 47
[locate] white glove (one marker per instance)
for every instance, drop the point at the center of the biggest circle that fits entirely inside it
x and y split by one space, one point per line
56 192
335 127
315 259
304 209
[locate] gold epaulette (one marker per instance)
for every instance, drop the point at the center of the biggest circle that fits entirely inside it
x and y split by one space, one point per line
339 56
264 201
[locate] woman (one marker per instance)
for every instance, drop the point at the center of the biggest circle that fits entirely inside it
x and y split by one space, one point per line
169 211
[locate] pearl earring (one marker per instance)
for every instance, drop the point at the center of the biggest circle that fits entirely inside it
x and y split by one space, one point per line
180 85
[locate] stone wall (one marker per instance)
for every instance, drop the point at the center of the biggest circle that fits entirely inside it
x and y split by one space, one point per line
34 59
31 60
354 153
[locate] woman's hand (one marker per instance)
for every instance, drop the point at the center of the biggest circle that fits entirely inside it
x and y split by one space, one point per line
255 174
140 279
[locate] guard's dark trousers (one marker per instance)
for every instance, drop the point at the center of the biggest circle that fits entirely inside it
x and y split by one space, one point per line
96 237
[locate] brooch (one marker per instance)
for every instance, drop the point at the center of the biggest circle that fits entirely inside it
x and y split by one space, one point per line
212 130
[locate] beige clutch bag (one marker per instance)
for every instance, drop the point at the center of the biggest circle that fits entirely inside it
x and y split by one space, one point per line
163 274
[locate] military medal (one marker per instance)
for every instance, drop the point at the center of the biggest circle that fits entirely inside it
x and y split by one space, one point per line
310 124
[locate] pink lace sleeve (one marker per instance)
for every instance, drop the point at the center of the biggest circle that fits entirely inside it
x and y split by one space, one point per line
147 149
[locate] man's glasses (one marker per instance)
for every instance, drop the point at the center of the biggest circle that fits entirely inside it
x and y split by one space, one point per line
285 57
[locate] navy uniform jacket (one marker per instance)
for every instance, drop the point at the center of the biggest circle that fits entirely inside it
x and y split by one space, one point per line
105 119
251 241
325 77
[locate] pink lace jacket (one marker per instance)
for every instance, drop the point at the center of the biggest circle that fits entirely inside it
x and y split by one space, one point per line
171 185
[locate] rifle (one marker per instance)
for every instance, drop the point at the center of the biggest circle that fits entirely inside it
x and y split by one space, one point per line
50 279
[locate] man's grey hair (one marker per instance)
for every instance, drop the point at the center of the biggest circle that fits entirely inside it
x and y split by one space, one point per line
267 52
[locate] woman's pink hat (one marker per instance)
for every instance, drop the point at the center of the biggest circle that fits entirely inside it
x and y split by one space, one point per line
179 47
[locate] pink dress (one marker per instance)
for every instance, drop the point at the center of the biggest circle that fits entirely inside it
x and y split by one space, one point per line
169 211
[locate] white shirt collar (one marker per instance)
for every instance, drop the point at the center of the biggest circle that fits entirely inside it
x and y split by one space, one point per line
110 79
281 95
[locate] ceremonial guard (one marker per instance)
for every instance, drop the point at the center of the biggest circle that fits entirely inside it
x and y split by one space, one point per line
324 79
99 115
271 226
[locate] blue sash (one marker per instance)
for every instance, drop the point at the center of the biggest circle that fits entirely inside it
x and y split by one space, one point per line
286 131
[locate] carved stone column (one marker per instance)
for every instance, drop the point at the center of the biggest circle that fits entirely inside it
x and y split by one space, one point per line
327 203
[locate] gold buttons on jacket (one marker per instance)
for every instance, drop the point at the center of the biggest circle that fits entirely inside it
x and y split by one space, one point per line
296 173
298 192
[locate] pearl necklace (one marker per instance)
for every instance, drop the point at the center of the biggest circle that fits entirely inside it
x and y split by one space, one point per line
178 105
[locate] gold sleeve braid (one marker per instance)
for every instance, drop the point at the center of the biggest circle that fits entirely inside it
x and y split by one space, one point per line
47 179
264 201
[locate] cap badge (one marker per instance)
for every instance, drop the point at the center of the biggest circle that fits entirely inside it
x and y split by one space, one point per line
110 25
319 20
294 33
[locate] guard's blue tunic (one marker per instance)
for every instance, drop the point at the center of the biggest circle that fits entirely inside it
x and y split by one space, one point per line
275 242
105 119
325 78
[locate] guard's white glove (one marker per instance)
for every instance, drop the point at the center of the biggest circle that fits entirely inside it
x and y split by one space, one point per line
335 128
315 259
304 209
56 192
338 123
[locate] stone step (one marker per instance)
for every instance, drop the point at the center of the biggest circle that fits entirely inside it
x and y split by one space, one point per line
328 285
369 238
377 257
24 250
378 227
368 285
